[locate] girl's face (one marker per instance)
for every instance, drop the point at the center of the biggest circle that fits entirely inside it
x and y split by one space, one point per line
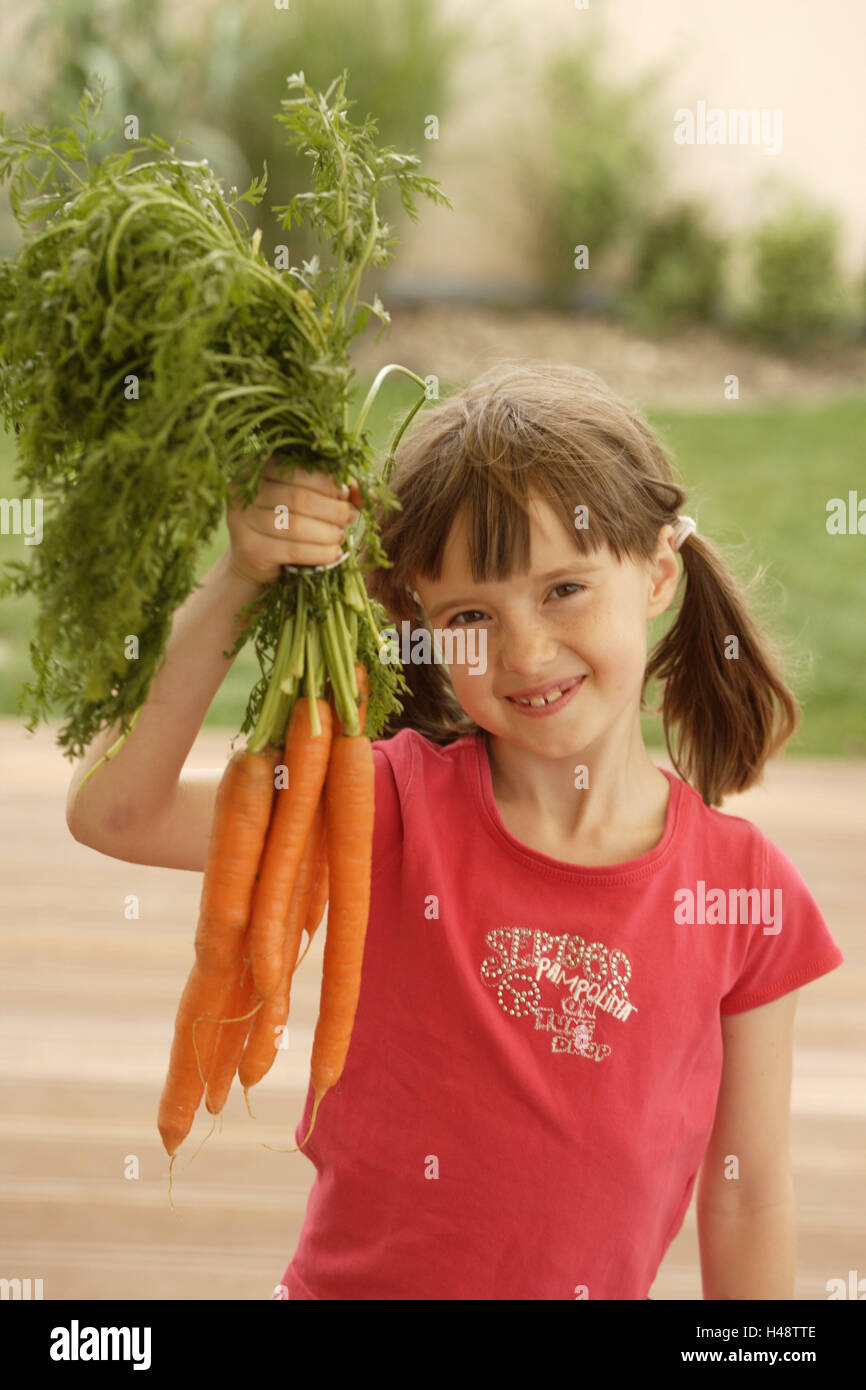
569 616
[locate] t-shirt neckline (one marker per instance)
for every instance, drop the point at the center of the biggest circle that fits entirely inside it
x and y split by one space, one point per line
612 874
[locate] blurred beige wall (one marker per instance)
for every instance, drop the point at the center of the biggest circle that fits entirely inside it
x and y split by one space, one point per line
802 57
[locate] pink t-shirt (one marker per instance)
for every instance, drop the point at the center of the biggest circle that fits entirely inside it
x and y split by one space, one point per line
533 1073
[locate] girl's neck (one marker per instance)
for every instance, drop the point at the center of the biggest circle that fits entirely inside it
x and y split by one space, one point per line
595 801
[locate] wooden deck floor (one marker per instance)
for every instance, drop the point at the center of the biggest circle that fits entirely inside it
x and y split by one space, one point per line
89 999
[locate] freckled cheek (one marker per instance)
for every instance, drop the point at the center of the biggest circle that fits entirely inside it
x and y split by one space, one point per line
471 689
474 692
619 658
613 658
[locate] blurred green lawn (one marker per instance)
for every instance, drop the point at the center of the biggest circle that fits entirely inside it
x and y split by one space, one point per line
759 482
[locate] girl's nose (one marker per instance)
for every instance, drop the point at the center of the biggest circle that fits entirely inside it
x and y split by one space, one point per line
526 651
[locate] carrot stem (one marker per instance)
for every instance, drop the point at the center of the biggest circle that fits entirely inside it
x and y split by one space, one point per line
346 644
374 391
352 596
339 661
354 575
274 710
314 664
281 719
113 750
351 287
296 659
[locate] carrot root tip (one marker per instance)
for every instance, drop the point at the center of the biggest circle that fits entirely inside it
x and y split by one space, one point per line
203 1142
316 1103
170 1201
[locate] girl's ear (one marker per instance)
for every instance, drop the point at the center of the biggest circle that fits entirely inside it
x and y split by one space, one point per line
664 575
414 595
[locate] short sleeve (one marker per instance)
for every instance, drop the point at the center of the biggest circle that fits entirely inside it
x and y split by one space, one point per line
789 946
388 818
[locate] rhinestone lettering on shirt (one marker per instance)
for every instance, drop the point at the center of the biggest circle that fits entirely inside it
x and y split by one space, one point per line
592 977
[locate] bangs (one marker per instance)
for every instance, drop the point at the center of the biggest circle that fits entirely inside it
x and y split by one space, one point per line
495 505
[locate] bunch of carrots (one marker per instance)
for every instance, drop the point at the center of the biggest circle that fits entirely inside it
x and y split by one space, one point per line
292 832
148 264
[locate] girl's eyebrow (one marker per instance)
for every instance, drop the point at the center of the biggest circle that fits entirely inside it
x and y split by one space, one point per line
577 566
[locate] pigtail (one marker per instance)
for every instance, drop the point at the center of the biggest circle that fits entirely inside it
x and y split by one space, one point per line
723 688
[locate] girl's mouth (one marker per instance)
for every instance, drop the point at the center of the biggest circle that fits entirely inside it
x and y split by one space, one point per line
550 703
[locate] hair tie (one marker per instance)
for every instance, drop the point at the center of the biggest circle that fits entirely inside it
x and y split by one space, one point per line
683 528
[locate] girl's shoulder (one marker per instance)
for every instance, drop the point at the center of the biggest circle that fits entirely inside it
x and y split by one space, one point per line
412 769
723 837
407 750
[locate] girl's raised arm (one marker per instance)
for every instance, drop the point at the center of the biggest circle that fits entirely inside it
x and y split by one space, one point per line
142 805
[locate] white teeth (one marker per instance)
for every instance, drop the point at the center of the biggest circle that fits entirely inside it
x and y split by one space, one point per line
549 699
542 699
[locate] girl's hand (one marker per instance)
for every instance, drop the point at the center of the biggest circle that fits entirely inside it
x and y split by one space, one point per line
307 530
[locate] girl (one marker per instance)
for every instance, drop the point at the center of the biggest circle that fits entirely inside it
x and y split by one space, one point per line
579 976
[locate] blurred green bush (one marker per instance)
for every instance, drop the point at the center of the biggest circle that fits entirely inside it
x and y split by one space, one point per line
657 260
679 271
593 179
796 297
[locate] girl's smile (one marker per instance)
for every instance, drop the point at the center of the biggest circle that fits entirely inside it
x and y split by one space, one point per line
543 706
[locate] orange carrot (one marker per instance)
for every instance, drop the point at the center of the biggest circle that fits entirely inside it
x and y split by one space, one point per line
319 895
203 1004
362 680
306 758
232 1036
319 900
241 814
349 809
268 1023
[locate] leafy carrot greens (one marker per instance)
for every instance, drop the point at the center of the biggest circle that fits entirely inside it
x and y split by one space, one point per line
151 362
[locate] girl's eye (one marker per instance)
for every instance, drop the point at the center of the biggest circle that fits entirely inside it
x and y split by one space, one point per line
478 611
458 616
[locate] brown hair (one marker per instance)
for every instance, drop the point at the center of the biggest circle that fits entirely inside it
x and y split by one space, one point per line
558 432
